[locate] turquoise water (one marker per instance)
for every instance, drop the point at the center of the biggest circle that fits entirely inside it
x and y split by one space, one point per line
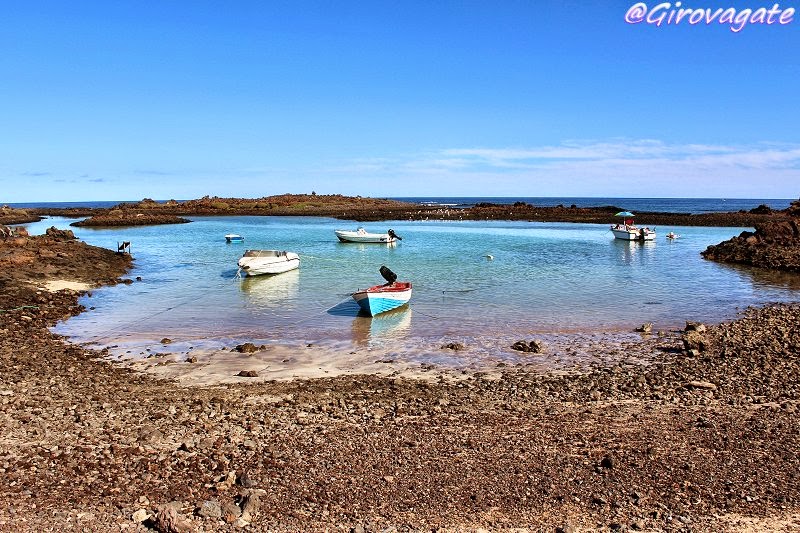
544 277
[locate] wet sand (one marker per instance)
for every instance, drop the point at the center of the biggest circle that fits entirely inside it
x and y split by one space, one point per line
699 431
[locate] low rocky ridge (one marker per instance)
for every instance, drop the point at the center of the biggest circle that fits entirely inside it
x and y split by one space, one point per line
10 215
708 431
123 218
774 244
378 209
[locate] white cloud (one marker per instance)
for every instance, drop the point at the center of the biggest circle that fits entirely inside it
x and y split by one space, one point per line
617 167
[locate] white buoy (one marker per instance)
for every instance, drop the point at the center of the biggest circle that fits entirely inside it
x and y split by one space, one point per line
489 257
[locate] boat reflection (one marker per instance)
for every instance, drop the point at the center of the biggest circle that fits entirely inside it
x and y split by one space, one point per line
629 250
271 291
363 247
367 330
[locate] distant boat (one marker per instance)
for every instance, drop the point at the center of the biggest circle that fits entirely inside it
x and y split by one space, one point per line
257 262
361 235
382 298
672 235
232 237
628 231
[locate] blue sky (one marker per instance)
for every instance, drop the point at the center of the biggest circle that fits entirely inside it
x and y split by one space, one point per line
131 99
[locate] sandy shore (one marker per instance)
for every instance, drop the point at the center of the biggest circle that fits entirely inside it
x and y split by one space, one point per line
697 432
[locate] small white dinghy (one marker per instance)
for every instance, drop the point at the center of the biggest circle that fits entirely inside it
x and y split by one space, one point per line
257 262
382 298
362 235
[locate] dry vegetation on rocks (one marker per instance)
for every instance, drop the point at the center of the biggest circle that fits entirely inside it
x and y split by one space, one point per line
705 437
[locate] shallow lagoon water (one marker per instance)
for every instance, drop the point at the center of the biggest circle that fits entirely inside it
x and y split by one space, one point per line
544 278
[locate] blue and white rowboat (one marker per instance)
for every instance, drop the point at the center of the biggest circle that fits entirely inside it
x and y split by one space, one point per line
382 298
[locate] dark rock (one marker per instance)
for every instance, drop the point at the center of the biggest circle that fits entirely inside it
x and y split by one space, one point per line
775 244
247 347
247 374
647 327
246 481
165 340
607 462
533 346
456 346
60 234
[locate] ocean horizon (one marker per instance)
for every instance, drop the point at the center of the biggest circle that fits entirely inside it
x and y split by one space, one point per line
667 205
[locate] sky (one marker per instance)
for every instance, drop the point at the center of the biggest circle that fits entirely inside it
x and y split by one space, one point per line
180 99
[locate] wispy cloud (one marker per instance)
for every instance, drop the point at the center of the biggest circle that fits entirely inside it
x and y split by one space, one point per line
150 172
614 167
37 174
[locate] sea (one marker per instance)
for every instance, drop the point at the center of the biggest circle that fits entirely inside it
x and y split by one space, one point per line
484 284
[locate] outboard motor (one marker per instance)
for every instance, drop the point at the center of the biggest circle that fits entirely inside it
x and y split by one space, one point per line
394 235
388 275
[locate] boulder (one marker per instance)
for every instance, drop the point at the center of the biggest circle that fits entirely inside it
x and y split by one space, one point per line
60 234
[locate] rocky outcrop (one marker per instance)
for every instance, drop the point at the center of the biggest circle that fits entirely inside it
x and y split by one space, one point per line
10 215
122 218
775 244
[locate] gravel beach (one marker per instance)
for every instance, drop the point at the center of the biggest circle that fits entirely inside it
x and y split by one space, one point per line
696 430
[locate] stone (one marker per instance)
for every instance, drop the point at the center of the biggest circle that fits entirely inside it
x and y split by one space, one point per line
140 516
210 509
250 506
705 385
230 512
456 346
60 234
246 481
647 327
165 340
533 346
167 520
247 374
247 347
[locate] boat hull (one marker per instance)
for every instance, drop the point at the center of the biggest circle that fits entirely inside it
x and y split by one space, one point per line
355 236
633 234
382 298
233 238
261 262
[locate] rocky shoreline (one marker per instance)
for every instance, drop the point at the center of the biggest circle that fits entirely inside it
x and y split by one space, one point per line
703 436
376 209
774 244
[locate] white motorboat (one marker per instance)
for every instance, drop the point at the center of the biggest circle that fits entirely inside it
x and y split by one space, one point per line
257 262
362 235
233 237
628 231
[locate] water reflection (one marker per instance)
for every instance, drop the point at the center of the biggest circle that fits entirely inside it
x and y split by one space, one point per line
362 246
369 330
271 291
766 278
631 250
